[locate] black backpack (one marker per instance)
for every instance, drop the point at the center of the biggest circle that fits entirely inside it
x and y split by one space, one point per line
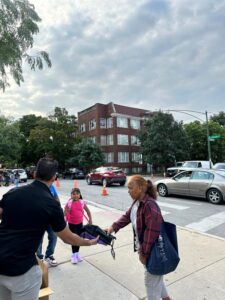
92 231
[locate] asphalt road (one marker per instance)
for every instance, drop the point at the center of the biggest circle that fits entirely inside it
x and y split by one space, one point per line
186 212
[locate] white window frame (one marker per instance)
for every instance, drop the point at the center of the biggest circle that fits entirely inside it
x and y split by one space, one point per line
110 139
92 124
82 127
102 122
135 140
103 140
122 139
122 122
123 157
135 124
136 157
109 122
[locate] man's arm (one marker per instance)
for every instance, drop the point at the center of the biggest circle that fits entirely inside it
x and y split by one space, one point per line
73 239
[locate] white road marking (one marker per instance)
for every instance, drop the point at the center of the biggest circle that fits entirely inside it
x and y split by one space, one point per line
208 223
169 205
165 212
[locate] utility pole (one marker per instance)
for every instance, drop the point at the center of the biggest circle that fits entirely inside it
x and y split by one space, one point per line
208 140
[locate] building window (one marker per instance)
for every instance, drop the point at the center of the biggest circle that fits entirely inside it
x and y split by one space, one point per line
122 139
135 124
122 122
123 157
136 157
136 170
135 140
102 123
92 124
110 123
93 139
103 140
109 157
110 139
82 127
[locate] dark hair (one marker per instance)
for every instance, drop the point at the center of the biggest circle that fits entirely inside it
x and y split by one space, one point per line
46 168
76 190
147 184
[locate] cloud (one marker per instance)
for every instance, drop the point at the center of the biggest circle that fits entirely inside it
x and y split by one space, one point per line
157 54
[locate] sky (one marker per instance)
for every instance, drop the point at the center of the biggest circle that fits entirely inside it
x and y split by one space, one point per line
158 54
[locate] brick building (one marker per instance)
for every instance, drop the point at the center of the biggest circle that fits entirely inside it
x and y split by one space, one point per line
115 127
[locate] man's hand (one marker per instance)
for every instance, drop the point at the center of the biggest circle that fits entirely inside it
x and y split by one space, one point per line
94 241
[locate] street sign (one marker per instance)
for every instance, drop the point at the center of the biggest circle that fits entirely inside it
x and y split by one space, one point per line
214 137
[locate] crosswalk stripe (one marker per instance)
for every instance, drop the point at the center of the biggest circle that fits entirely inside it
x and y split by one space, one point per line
165 212
175 206
208 223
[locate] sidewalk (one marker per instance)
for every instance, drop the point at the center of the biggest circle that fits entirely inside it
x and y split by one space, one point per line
199 276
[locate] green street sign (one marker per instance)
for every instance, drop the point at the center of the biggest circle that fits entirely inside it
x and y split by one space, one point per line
214 137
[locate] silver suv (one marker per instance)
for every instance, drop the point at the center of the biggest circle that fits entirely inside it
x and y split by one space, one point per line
188 165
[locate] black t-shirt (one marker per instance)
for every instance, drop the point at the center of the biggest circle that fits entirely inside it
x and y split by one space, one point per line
27 212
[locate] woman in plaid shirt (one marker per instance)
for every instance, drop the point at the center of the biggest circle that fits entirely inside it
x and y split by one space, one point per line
146 220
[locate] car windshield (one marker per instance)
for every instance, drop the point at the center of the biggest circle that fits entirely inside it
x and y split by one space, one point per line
221 172
190 164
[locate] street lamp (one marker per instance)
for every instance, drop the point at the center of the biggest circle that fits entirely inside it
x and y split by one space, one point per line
188 112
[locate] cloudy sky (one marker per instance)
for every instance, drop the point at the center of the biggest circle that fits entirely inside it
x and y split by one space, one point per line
158 54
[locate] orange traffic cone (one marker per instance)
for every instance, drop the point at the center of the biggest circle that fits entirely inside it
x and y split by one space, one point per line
57 183
104 191
75 184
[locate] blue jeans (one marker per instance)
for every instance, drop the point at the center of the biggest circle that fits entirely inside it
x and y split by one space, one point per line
52 239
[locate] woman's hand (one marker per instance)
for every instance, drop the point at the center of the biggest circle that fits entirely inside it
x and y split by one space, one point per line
142 259
109 229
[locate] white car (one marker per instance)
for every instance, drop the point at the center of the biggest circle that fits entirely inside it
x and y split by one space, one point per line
22 173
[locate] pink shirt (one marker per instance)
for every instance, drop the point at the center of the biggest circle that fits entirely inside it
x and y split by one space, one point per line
76 211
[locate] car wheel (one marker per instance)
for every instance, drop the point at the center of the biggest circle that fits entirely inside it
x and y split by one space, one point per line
88 179
162 190
105 182
214 196
122 183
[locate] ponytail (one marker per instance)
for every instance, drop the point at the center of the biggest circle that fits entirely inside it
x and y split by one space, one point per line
151 190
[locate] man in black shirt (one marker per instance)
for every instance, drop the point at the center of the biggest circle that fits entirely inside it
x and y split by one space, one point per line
26 212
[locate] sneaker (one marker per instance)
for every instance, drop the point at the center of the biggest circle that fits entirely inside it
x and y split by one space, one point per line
79 258
51 261
74 258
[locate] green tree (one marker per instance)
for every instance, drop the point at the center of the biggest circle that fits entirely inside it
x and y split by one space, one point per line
197 136
18 25
163 140
87 155
55 135
219 118
10 149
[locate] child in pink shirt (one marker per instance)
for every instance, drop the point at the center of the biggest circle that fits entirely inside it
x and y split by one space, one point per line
74 212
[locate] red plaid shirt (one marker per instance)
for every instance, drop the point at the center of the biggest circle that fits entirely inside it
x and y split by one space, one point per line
149 219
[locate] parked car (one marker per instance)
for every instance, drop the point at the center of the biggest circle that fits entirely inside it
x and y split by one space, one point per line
22 173
202 183
187 165
219 166
73 173
106 176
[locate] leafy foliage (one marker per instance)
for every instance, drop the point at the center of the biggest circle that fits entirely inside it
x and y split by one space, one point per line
163 140
87 155
18 25
9 142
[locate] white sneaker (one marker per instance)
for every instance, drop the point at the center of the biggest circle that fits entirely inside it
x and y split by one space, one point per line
51 261
79 258
74 258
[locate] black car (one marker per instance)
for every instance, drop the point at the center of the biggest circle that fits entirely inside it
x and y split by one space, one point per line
73 173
